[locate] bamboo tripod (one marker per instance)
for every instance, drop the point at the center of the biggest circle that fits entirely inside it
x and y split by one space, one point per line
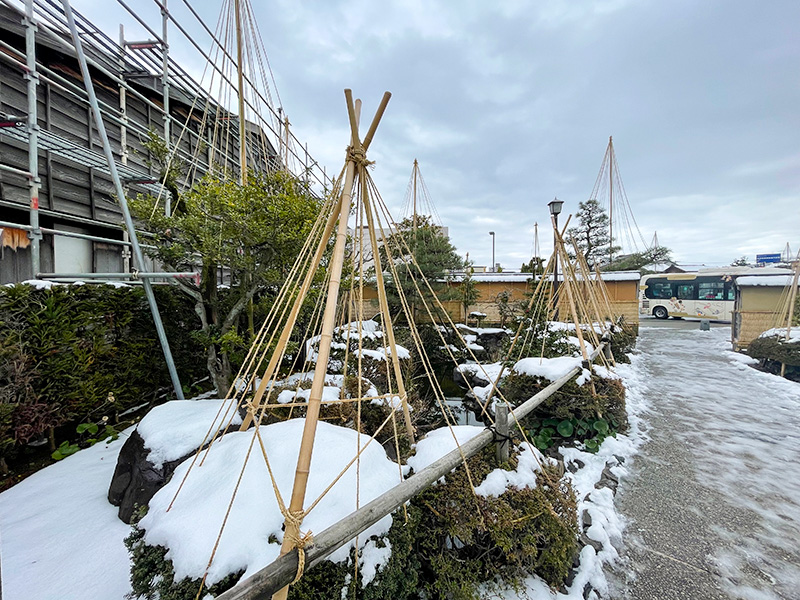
356 163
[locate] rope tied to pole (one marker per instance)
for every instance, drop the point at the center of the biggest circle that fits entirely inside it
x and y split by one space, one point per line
359 156
299 540
497 436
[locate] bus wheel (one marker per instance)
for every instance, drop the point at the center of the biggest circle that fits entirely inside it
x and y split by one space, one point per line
659 312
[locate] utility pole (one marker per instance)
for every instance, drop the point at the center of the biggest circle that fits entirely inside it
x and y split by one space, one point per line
494 268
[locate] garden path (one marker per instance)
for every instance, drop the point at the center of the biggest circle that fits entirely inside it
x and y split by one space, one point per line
713 501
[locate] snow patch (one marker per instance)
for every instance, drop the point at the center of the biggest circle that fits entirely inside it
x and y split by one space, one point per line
255 516
175 429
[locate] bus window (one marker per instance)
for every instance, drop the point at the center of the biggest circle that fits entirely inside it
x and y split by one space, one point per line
711 290
660 290
731 292
686 291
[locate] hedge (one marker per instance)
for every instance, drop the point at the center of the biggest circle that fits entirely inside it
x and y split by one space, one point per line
75 353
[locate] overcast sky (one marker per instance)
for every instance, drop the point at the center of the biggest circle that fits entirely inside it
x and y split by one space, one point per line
508 104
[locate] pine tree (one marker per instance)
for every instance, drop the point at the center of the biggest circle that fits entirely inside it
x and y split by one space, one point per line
591 234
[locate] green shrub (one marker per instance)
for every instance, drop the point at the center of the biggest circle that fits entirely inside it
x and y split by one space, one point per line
573 413
72 354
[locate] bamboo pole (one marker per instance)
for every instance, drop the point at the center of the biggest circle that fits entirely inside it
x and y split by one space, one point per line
792 298
240 75
294 518
384 306
279 573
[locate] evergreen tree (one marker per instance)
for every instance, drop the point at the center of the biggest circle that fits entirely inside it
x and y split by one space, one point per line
467 293
253 232
428 247
638 261
591 234
534 266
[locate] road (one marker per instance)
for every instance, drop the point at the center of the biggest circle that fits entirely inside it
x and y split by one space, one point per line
713 499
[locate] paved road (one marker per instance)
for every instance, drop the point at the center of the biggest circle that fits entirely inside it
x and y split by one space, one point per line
713 501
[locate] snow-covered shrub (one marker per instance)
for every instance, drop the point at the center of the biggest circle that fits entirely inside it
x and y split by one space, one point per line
774 350
623 340
466 540
587 416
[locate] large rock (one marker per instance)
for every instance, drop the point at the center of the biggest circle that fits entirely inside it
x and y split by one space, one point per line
164 438
136 479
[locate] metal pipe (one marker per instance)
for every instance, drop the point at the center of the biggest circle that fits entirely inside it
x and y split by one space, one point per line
33 137
73 234
15 171
162 336
134 275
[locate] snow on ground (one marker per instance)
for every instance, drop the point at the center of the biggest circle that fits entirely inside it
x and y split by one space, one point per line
60 539
255 515
727 443
176 428
607 525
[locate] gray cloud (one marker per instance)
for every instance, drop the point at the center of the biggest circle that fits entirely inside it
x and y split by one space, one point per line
509 105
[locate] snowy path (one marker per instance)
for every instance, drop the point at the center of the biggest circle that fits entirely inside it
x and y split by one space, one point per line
713 501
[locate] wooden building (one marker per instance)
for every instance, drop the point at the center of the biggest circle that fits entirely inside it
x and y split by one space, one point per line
756 307
141 91
515 288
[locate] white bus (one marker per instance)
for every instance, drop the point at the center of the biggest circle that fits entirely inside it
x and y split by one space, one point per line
699 295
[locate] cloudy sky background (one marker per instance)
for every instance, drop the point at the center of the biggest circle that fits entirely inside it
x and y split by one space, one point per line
507 105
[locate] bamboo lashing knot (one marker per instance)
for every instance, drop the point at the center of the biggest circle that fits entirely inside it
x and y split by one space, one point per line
358 156
293 521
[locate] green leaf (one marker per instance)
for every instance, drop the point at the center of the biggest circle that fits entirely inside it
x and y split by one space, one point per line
551 422
591 445
84 427
601 426
64 450
565 429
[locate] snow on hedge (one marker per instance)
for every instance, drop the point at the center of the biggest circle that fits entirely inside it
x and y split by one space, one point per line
175 429
439 442
549 368
255 517
529 462
780 332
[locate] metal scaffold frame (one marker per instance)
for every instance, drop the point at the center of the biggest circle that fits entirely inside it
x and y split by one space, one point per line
126 64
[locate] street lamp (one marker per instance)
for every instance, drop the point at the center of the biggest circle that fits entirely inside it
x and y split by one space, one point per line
491 233
555 209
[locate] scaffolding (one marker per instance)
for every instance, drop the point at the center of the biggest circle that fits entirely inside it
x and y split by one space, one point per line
131 71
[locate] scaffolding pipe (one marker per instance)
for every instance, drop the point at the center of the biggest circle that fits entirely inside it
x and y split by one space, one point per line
33 137
134 275
15 171
165 93
162 336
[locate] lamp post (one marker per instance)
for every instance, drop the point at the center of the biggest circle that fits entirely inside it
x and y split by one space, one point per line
491 233
555 209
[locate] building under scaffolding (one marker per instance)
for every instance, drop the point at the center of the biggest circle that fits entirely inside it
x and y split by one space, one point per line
65 218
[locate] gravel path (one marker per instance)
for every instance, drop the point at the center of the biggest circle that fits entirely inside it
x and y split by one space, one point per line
713 501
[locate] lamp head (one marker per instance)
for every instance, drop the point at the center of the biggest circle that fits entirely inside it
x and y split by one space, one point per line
555 206
491 233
